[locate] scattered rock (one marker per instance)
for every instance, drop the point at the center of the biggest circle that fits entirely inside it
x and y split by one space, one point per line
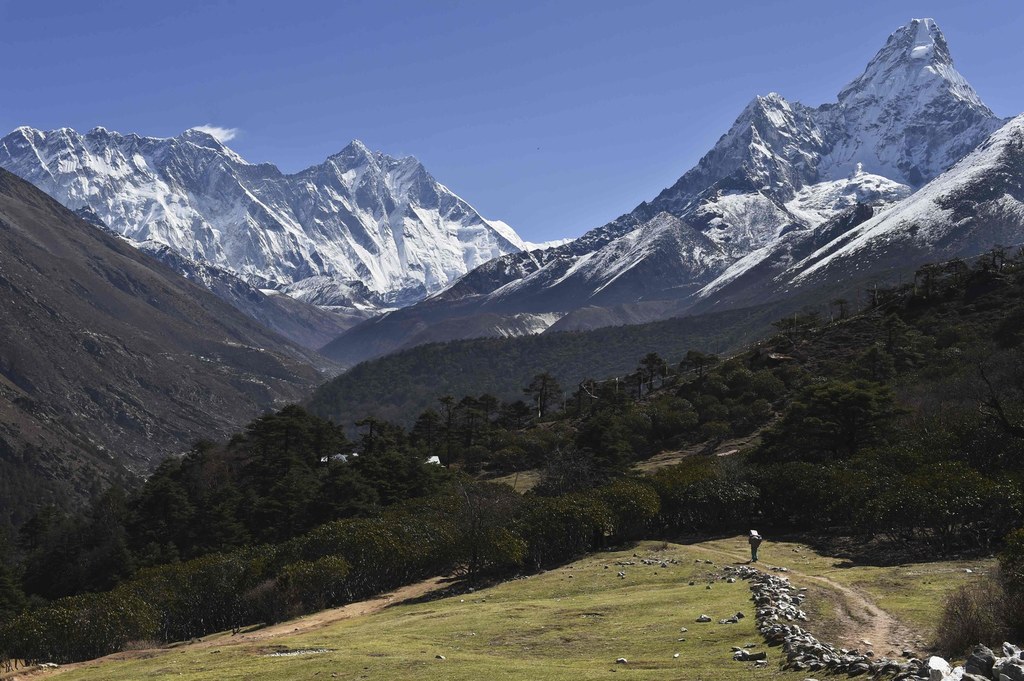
742 655
1011 670
622 660
704 618
440 657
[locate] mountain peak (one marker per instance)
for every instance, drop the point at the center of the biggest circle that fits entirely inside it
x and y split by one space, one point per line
361 215
925 41
353 155
201 137
915 57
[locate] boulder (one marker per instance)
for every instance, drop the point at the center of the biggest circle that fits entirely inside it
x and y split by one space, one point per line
938 669
980 661
1012 669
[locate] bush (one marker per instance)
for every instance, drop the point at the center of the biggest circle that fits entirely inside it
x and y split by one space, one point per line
1011 564
79 627
308 586
560 528
974 613
698 495
634 506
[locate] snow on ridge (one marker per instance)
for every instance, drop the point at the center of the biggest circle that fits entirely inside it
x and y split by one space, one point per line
545 245
922 209
359 215
816 203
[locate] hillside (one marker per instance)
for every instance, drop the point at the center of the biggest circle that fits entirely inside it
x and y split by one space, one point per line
399 386
885 437
109 361
571 623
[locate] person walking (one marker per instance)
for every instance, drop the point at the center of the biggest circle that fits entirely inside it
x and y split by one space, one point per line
755 541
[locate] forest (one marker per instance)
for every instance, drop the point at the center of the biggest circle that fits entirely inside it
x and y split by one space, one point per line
899 427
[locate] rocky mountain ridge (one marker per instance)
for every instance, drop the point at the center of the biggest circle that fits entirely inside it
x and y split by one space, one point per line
783 169
359 218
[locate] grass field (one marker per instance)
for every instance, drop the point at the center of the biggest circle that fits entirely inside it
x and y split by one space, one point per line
570 624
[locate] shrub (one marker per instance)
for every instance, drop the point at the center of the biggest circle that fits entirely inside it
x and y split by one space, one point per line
308 586
79 627
634 506
974 613
1011 564
560 528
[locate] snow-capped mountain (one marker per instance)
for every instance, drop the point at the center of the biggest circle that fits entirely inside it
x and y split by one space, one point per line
361 218
969 209
974 206
783 172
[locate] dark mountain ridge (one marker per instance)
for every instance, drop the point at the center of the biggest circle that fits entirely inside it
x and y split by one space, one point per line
110 361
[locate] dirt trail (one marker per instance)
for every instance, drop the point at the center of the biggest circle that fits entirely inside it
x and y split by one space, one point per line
862 623
303 625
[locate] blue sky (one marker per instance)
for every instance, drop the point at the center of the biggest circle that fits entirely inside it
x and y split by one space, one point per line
553 116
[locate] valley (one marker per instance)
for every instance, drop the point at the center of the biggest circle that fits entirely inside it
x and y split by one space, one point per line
290 419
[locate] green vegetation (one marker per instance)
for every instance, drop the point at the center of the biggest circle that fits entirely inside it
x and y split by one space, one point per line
396 387
902 426
551 626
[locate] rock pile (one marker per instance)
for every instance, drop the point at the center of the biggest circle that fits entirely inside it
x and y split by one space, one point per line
778 610
982 665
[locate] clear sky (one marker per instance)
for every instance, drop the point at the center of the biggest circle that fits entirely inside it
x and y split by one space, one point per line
554 116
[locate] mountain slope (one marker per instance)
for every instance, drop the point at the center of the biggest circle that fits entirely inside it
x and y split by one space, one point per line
401 385
974 206
110 361
359 216
301 322
782 169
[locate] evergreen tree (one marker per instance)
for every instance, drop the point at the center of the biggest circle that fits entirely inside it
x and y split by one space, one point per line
544 390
